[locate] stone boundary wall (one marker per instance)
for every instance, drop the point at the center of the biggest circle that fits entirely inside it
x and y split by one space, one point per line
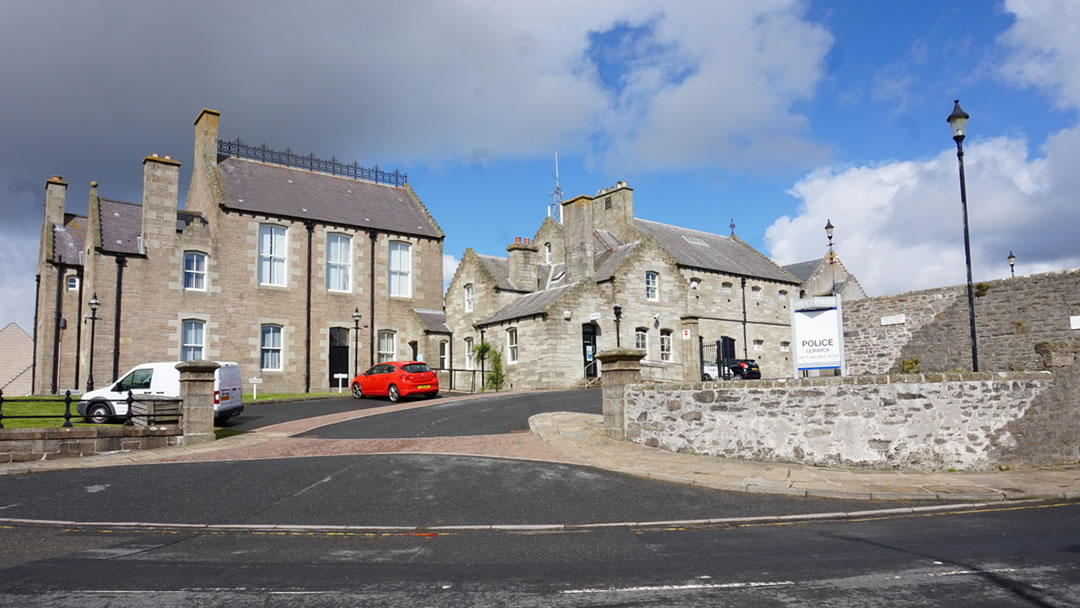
1011 316
22 445
962 421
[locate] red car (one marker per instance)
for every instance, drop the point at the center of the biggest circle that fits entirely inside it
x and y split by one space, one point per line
396 379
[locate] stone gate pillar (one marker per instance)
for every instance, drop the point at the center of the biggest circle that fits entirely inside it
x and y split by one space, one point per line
197 392
691 351
619 367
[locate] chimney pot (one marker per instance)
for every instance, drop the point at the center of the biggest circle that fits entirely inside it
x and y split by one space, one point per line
517 240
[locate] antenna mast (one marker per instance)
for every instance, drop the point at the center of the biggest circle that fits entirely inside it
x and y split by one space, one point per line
556 195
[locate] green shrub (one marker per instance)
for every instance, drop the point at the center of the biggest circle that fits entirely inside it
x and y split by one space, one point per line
909 366
981 289
497 376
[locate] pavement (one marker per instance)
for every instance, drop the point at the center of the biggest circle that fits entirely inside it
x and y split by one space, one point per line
575 438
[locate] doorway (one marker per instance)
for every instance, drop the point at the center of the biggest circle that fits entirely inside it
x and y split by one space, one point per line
339 354
588 349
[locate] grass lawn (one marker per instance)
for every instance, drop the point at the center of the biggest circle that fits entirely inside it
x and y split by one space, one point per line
33 406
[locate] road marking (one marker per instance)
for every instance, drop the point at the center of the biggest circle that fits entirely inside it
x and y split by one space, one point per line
962 572
98 488
688 587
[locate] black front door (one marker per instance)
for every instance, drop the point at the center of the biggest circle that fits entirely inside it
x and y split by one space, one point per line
339 355
588 349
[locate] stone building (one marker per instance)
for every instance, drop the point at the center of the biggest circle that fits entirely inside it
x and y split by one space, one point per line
549 305
826 276
16 359
266 265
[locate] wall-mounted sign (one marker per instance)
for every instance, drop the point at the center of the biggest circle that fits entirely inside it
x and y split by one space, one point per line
686 334
594 316
893 320
817 329
1074 322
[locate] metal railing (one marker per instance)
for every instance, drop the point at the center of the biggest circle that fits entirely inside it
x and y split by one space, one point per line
288 158
67 400
589 382
475 380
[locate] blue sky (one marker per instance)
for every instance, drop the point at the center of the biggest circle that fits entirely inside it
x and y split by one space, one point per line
779 114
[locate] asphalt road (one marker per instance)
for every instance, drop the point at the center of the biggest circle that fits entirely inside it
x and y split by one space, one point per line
487 416
1007 556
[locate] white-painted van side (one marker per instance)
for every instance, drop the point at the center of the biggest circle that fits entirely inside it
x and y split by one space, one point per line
164 381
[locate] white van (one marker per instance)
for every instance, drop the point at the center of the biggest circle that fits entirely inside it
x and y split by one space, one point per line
161 379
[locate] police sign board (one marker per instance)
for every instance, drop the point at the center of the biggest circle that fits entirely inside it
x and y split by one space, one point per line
817 329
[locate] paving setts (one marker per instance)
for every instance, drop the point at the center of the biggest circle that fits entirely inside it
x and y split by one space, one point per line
574 438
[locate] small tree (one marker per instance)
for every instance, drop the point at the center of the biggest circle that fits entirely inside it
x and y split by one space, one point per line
486 352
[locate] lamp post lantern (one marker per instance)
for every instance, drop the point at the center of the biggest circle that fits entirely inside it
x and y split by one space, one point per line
618 317
356 342
1012 264
94 303
832 256
958 123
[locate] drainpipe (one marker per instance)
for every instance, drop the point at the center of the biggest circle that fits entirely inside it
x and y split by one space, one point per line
371 315
33 365
745 352
120 263
450 347
307 328
482 383
78 329
56 326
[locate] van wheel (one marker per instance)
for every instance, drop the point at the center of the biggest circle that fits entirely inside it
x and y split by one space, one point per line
393 393
356 392
98 413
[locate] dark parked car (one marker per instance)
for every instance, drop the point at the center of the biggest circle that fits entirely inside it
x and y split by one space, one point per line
740 369
396 379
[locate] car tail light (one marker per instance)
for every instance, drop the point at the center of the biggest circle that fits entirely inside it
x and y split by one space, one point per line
742 364
217 397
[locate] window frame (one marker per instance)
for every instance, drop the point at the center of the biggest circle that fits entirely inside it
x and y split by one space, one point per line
271 349
641 339
785 347
71 282
755 292
469 297
665 346
652 291
782 295
195 273
727 288
402 286
547 253
511 345
469 362
196 348
381 355
278 254
758 345
344 267
444 350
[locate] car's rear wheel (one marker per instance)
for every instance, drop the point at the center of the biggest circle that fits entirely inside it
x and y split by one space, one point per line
98 413
356 392
432 395
393 393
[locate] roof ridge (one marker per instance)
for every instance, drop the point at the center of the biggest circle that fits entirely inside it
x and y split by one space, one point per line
111 200
682 228
794 278
313 172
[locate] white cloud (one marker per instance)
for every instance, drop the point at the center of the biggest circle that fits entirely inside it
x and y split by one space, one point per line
449 267
1045 42
899 225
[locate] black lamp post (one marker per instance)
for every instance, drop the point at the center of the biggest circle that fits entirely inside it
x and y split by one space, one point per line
1012 264
958 123
832 258
356 342
618 317
93 303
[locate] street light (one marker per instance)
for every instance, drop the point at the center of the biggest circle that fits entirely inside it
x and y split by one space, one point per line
832 258
958 123
93 303
356 342
618 317
1012 264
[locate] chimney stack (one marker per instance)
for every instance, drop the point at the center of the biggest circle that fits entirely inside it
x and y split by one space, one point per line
161 190
522 262
200 193
577 217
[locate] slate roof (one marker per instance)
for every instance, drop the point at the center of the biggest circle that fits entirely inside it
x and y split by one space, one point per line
712 252
803 270
276 190
527 305
434 320
69 239
604 265
500 270
121 226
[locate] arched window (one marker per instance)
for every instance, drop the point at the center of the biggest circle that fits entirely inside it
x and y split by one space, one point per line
511 345
641 339
547 253
468 297
72 282
665 345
